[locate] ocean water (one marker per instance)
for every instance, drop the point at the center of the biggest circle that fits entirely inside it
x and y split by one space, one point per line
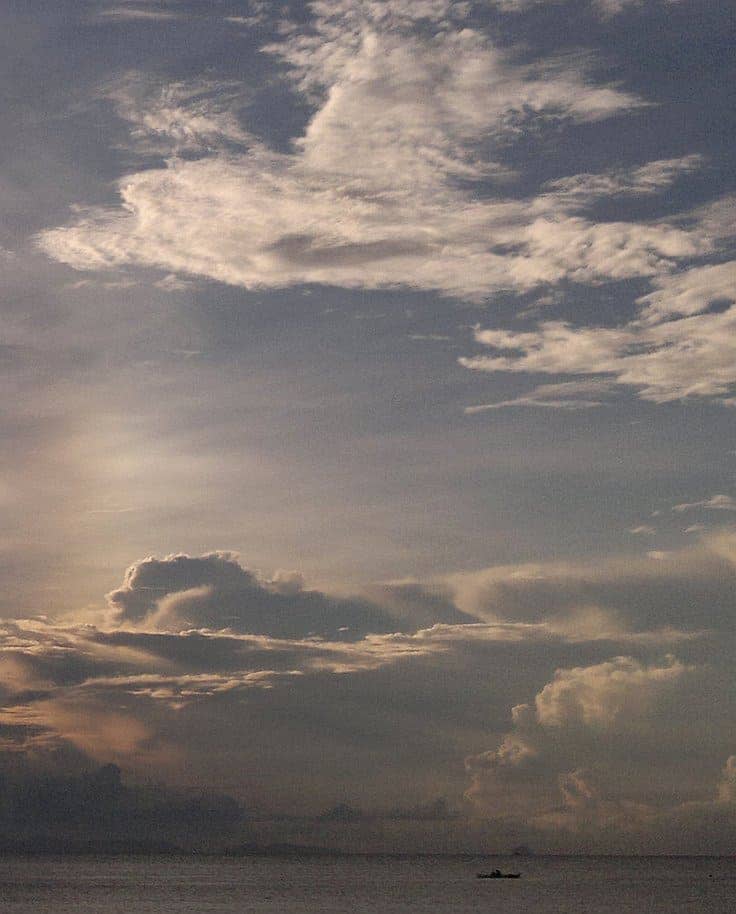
379 885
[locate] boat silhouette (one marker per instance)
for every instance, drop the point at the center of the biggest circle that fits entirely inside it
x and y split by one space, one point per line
497 874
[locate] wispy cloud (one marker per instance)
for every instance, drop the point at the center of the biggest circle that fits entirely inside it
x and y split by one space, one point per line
714 503
379 189
136 14
644 180
603 8
568 395
677 348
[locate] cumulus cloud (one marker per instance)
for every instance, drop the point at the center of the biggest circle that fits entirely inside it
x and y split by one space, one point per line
599 695
558 767
567 764
153 700
215 591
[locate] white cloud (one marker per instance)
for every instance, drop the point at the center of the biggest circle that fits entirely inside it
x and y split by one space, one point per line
599 695
136 14
604 8
660 357
558 767
178 117
370 196
173 283
716 219
645 180
569 395
690 292
380 192
715 503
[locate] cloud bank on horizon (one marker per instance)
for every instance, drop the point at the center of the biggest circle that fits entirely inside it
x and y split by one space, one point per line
613 726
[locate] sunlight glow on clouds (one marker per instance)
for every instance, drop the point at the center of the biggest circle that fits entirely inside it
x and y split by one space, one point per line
139 690
543 770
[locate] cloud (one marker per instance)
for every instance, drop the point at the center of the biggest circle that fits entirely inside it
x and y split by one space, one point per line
396 181
584 648
215 591
568 395
136 14
581 190
184 117
689 293
715 503
67 809
676 349
162 701
373 193
599 695
558 767
627 593
606 9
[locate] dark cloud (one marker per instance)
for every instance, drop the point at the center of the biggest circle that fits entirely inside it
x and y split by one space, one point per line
692 587
94 810
215 591
419 603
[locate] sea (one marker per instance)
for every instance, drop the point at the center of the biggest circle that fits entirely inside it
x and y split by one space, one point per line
359 885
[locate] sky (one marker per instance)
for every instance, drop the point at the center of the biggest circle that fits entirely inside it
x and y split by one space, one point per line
367 439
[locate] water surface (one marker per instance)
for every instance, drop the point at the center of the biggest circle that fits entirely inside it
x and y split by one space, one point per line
358 885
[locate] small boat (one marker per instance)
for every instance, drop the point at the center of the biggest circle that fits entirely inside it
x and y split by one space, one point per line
497 874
